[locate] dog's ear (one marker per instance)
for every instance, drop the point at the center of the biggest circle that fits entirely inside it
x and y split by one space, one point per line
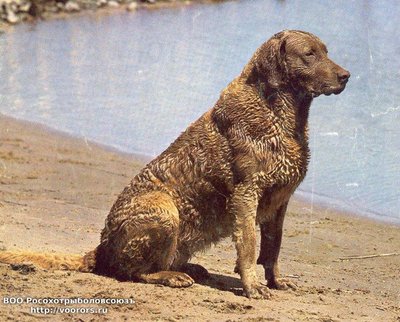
269 61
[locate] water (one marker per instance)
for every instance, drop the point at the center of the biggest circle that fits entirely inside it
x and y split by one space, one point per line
135 81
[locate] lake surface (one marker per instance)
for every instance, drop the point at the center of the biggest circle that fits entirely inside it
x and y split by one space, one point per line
134 81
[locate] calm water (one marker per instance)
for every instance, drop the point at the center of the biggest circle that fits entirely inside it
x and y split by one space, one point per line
135 81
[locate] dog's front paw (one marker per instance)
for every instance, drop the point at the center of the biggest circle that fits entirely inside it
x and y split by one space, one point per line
281 284
257 291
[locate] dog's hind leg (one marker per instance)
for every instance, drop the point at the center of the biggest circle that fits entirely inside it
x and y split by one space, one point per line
165 259
140 241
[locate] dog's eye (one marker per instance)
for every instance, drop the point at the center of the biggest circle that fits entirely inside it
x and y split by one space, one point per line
310 53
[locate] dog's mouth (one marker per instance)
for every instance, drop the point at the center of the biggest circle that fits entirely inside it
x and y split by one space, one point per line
327 89
315 94
336 90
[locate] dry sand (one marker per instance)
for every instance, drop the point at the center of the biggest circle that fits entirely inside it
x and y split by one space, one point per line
55 192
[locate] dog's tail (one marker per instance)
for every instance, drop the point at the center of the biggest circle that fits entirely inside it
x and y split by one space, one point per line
67 262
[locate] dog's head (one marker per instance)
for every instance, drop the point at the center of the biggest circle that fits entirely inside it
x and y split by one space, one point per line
299 60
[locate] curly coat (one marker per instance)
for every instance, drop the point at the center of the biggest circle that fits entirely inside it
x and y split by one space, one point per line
235 167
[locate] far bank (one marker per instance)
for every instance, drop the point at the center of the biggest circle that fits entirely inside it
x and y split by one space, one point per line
33 11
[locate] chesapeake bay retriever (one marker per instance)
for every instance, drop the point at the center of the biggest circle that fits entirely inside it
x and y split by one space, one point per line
235 167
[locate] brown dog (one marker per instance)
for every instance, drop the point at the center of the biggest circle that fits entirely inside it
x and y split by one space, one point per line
235 167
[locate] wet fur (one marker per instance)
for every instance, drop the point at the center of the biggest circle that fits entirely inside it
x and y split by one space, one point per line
235 167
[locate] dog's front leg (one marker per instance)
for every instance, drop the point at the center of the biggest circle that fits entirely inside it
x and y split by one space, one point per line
271 238
243 207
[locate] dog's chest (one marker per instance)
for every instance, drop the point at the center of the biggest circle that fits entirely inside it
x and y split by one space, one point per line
282 172
284 159
272 201
292 162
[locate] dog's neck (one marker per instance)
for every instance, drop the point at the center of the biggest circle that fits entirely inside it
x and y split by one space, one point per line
288 104
291 107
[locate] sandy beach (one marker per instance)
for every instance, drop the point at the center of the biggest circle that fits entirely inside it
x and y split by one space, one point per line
55 192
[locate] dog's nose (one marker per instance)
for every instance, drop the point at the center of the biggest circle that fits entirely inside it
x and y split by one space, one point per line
343 76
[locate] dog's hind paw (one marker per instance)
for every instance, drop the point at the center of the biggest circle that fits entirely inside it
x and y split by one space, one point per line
179 279
168 278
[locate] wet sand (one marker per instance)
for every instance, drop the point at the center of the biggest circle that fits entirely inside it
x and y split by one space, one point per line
55 192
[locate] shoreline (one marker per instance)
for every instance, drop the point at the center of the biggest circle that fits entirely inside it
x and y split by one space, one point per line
140 157
56 191
323 202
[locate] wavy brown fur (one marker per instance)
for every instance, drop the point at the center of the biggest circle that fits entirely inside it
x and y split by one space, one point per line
235 167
